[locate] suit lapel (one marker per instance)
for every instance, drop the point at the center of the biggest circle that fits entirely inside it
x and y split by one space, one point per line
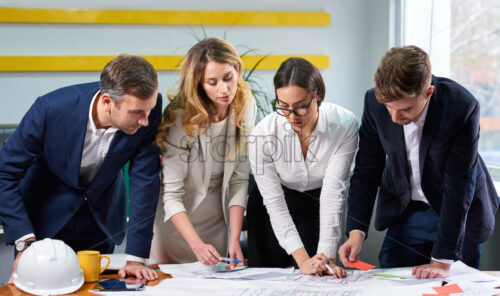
75 131
400 146
206 166
207 160
431 124
117 146
230 146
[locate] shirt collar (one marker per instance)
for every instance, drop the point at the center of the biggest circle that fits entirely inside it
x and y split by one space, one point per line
320 125
421 120
92 126
91 119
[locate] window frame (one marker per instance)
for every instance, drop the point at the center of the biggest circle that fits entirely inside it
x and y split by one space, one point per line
397 37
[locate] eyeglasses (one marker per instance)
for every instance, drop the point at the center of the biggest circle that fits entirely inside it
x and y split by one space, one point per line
299 111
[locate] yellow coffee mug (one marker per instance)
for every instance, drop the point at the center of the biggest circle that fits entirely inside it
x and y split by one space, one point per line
90 263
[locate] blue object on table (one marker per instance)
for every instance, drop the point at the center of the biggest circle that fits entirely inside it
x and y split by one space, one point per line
230 260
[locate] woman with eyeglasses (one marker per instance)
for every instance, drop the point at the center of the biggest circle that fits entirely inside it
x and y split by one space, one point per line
300 156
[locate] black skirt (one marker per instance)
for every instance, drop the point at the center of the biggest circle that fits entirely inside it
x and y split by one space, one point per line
263 247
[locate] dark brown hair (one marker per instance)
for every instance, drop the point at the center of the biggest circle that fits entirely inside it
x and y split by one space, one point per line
302 73
128 74
403 72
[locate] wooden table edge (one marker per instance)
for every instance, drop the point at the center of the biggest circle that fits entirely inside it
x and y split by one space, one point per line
11 290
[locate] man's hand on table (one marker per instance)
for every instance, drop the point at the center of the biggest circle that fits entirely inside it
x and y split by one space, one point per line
138 270
429 271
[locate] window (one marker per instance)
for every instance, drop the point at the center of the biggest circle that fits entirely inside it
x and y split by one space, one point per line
462 38
5 131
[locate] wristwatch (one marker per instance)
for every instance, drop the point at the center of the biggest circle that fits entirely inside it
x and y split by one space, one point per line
23 245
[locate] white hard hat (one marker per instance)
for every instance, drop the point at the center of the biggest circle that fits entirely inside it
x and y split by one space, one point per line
48 267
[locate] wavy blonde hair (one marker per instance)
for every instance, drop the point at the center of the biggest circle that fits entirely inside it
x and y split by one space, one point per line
191 96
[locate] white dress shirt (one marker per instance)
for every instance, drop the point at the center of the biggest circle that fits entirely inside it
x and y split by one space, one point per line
95 147
276 159
413 136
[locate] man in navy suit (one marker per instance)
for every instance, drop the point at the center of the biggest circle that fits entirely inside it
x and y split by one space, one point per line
60 171
418 148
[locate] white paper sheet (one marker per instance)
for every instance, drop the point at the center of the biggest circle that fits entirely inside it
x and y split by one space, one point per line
197 279
219 287
459 273
198 270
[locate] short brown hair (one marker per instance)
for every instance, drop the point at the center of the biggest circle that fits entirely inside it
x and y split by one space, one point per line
128 74
403 71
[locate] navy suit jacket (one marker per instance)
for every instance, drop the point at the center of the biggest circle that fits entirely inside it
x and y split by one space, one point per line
454 178
40 165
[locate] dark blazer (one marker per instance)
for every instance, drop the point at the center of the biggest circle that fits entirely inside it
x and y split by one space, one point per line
40 164
454 178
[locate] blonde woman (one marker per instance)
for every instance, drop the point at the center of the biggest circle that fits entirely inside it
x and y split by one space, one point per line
205 164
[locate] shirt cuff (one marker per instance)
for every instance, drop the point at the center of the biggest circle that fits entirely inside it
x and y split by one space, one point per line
361 231
446 261
328 248
25 237
292 244
136 259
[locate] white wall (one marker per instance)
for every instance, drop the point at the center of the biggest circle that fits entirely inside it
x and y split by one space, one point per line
356 39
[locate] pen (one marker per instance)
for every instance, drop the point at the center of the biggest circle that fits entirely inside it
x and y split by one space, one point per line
230 260
329 268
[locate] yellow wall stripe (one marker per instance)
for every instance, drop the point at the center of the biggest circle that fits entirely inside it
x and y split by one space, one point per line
96 63
163 17
274 62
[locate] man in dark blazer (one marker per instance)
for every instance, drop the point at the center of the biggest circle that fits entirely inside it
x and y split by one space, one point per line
418 148
61 170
